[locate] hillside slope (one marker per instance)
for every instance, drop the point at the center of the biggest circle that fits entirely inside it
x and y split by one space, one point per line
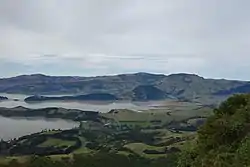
224 139
126 86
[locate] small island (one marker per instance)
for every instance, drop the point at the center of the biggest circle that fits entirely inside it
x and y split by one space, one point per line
87 97
3 98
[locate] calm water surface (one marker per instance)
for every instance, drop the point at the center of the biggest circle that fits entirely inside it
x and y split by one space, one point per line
13 128
90 105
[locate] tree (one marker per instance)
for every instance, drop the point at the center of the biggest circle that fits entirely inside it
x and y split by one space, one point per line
223 141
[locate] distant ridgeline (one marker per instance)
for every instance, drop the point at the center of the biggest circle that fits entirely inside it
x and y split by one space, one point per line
138 86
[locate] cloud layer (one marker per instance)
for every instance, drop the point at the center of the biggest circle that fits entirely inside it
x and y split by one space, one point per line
93 37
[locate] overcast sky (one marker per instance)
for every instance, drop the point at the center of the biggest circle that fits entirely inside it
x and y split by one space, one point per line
98 37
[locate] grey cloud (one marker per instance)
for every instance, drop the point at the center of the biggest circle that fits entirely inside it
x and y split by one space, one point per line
102 37
50 55
9 68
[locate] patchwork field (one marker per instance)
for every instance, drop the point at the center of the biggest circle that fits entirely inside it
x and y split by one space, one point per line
150 133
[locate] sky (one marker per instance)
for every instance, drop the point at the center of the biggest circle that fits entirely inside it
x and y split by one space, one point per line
210 38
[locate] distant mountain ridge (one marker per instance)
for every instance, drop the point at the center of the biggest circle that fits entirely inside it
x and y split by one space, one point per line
138 86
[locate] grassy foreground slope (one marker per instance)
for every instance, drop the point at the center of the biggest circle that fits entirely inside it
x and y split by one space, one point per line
224 140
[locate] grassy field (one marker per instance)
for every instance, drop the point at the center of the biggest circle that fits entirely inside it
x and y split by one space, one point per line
129 115
138 148
23 159
171 111
6 160
83 149
56 142
164 140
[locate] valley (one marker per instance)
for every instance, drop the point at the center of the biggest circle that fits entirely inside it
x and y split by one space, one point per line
140 115
151 133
